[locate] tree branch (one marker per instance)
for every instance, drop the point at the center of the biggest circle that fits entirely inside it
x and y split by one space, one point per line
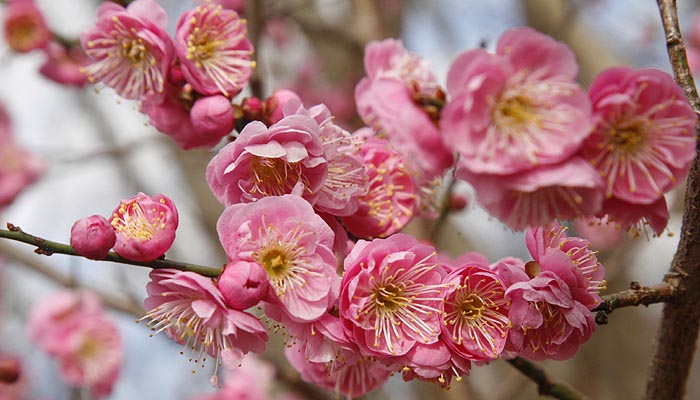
546 385
636 295
676 338
47 247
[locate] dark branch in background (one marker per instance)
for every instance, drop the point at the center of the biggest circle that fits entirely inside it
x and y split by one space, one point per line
256 23
676 338
546 385
637 295
47 247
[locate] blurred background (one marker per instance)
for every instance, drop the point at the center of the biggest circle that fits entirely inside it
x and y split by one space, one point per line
99 149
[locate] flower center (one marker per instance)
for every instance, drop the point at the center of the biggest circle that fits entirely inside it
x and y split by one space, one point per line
275 260
472 306
130 220
626 138
275 176
89 348
200 47
515 111
134 50
390 297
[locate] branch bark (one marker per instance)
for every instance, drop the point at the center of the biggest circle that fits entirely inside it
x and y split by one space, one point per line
635 296
546 385
677 335
48 247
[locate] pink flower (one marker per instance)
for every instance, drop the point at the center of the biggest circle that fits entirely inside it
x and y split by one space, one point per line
435 363
238 382
635 218
18 168
214 50
547 322
570 258
644 138
25 27
347 175
192 311
145 227
93 356
130 49
63 65
601 232
212 116
475 322
351 374
538 196
391 199
54 317
389 58
516 109
286 158
92 237
293 244
391 295
387 105
243 284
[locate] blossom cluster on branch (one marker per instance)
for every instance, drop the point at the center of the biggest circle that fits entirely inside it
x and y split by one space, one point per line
314 213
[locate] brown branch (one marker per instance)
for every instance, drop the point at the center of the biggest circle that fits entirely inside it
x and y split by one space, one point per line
676 338
546 385
635 296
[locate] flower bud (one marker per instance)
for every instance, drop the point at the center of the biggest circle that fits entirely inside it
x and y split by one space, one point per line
92 237
243 284
212 116
10 370
274 105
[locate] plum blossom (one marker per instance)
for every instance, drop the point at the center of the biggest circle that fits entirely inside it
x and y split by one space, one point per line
538 196
475 322
435 363
389 58
391 295
25 27
18 168
644 138
286 158
130 49
214 50
351 374
145 226
390 201
601 232
71 327
516 109
238 382
63 64
92 237
243 284
283 235
192 311
642 145
212 116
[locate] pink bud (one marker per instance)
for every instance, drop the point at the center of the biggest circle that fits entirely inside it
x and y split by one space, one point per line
92 237
275 104
243 284
10 370
212 115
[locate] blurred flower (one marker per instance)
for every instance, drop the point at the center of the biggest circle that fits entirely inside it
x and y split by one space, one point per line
602 233
92 237
214 50
63 65
130 49
293 244
145 227
286 158
25 27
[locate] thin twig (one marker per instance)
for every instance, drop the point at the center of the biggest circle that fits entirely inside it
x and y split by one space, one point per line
677 335
635 296
546 385
47 247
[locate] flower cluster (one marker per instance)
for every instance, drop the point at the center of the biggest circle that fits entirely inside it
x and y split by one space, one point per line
71 327
183 84
536 148
142 228
26 30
